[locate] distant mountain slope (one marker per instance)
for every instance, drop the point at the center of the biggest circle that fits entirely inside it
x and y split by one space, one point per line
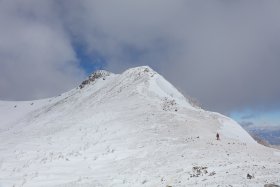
269 134
132 129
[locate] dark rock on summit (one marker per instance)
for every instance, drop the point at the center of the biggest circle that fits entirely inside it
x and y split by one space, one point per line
96 75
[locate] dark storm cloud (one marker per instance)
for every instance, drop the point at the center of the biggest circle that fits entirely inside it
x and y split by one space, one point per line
224 53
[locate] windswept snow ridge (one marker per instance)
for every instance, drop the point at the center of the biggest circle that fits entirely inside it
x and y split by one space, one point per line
131 129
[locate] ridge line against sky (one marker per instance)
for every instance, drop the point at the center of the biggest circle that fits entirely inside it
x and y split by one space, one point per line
223 53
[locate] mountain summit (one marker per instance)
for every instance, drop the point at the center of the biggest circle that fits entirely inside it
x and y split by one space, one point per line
129 129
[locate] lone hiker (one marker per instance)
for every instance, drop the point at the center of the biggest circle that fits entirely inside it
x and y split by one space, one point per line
218 136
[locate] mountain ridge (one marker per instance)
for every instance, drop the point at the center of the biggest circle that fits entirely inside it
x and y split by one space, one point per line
129 129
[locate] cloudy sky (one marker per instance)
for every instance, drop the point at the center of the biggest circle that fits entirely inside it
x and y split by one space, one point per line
224 53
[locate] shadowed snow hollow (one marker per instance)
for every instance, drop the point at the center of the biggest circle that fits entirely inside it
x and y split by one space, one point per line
129 129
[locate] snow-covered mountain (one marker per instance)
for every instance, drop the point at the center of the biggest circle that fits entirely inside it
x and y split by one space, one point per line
129 129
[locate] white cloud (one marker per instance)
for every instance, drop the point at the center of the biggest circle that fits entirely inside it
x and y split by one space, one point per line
36 56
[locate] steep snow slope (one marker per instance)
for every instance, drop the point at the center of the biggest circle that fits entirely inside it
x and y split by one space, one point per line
133 129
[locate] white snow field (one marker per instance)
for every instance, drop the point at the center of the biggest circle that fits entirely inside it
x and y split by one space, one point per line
132 129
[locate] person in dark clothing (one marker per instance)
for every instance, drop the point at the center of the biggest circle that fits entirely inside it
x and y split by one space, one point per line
218 136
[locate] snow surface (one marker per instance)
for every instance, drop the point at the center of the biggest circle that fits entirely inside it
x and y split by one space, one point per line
132 129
